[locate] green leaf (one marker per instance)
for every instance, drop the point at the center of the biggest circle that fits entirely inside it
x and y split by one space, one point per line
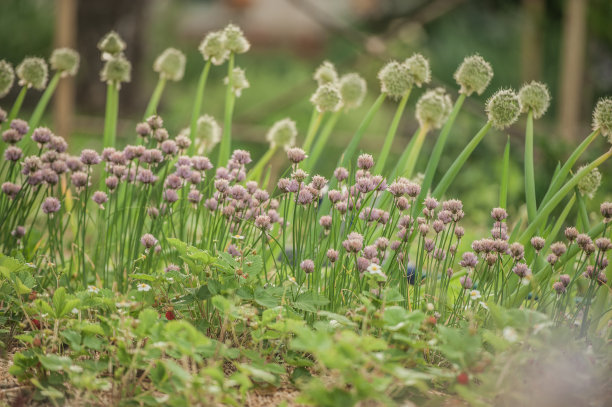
309 301
54 362
265 299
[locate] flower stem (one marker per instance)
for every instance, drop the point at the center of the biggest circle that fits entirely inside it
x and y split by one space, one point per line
311 161
197 105
226 141
110 118
17 105
43 102
255 173
315 122
155 97
503 189
530 193
384 152
413 156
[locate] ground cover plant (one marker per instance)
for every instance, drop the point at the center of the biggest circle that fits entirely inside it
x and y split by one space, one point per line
176 271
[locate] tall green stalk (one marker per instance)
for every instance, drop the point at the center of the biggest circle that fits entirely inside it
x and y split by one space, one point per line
314 155
110 118
197 106
384 152
315 122
530 192
226 141
255 172
155 97
413 156
503 188
17 105
43 102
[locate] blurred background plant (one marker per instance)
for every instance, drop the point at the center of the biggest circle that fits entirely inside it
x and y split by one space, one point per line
566 44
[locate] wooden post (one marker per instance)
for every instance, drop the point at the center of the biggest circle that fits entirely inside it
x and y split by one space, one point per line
65 36
531 47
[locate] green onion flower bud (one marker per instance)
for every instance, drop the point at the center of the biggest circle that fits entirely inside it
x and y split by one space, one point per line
473 75
395 80
170 64
433 108
327 98
7 77
208 133
602 118
66 61
326 73
33 73
235 41
418 67
353 90
282 133
110 45
590 183
535 97
116 70
503 108
213 48
239 81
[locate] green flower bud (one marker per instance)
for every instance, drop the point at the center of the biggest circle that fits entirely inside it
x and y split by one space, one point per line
208 133
418 67
116 70
282 133
602 118
7 77
327 98
66 61
503 108
473 75
353 90
170 64
535 97
111 44
33 73
590 183
235 41
326 73
213 48
239 81
395 80
433 108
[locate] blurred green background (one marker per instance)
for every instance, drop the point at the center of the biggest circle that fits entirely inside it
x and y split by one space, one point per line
565 43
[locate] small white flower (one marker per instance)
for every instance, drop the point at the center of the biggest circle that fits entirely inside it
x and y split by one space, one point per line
375 270
334 323
160 345
123 304
93 289
75 311
143 287
483 305
76 369
170 279
238 237
430 306
474 295
44 315
510 334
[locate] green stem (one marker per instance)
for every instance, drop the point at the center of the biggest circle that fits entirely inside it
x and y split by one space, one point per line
197 106
410 162
155 97
315 122
384 152
311 161
530 192
503 189
226 140
110 118
17 105
43 102
459 162
255 172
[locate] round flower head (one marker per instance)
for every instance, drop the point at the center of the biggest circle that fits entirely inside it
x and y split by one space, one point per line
148 240
66 61
473 75
213 47
33 73
395 80
111 44
353 89
503 108
282 133
208 133
433 108
7 77
602 118
116 70
239 81
50 205
170 64
326 73
235 41
327 98
418 68
535 97
590 183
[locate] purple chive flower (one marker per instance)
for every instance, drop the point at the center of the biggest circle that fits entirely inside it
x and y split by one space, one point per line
20 126
152 156
304 197
296 155
107 152
558 248
365 161
194 196
58 144
262 222
170 196
571 233
11 136
143 129
521 270
148 241
169 147
79 180
538 243
565 279
42 135
183 171
13 154
111 182
466 282
469 260
11 190
146 176
431 203
18 232
332 255
100 198
603 244
201 163
50 205
362 264
325 221
173 181
606 211
307 265
183 142
242 157
459 232
341 174
499 214
517 251
559 287
161 135
90 157
370 252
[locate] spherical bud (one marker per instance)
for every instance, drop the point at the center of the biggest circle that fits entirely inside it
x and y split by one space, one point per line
170 64
33 73
395 80
558 248
213 47
603 244
534 97
433 108
418 68
148 240
12 153
296 155
602 117
18 232
90 157
326 73
327 98
208 133
100 198
353 89
116 70
307 265
41 135
571 233
459 232
66 61
559 287
235 41
111 44
282 134
589 184
238 81
169 147
466 282
538 243
7 77
365 161
473 75
50 205
503 108
499 214
241 157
